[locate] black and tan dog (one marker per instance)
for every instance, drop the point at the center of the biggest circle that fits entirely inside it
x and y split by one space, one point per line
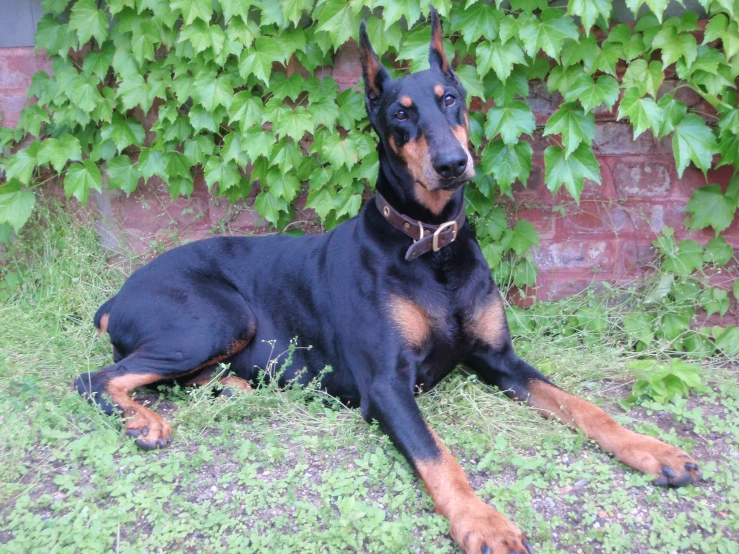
393 300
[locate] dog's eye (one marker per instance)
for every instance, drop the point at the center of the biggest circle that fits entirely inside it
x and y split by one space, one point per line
449 99
401 115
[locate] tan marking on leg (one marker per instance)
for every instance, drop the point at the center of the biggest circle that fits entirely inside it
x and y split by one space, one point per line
229 381
150 429
412 321
488 322
103 328
406 101
473 523
646 454
438 89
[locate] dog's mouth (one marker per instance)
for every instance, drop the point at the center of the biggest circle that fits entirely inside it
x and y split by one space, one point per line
448 185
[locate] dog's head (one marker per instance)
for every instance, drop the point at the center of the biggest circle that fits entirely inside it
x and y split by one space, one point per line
421 120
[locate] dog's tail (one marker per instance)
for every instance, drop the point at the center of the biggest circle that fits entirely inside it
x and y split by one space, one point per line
101 316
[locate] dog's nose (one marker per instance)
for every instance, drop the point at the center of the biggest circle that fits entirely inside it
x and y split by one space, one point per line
450 164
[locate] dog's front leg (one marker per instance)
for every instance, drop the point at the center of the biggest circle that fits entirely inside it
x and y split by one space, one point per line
669 465
477 527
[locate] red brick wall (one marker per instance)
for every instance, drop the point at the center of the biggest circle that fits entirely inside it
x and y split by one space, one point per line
607 237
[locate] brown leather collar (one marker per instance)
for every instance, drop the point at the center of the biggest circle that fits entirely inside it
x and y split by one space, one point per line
426 237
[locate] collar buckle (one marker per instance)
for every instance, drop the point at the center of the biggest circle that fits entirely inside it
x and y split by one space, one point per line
443 227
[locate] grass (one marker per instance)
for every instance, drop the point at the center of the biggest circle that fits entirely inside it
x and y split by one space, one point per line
285 471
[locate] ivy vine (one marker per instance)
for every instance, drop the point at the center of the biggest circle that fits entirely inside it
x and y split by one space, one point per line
173 88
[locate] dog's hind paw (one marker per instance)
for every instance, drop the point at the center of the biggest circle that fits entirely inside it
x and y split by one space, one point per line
149 429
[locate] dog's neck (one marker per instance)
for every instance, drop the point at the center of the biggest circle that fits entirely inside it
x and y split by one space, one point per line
396 185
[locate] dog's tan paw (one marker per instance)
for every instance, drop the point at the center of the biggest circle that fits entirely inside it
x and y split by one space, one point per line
480 529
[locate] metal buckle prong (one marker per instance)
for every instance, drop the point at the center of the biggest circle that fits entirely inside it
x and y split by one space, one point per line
442 228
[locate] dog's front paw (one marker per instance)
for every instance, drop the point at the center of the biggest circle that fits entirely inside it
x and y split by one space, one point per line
480 529
670 466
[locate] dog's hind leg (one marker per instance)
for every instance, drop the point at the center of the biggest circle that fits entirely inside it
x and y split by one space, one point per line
229 382
189 346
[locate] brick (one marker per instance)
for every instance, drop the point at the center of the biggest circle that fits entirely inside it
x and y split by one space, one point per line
347 68
535 189
542 103
563 283
633 258
590 219
17 66
642 177
576 254
11 106
615 139
543 219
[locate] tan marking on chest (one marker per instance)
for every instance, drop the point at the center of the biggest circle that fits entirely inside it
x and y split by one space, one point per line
434 201
412 321
488 322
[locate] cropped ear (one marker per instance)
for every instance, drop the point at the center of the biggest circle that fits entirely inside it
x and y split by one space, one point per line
375 75
437 56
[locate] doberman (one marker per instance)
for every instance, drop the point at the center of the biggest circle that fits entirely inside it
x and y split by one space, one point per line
393 300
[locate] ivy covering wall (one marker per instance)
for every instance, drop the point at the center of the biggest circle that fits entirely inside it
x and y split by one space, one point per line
174 88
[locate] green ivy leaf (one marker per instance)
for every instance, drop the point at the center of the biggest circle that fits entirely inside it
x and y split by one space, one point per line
246 109
693 141
675 45
322 201
646 78
507 163
151 162
31 119
123 131
134 91
16 204
342 26
592 94
258 143
88 21
685 259
211 91
283 185
563 78
574 124
522 237
548 32
470 81
503 93
710 208
478 20
226 174
500 57
718 252
203 36
673 112
295 123
510 121
714 300
383 39
122 174
22 163
570 170
259 60
60 151
637 325
589 11
270 207
80 178
194 9
674 324
644 113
